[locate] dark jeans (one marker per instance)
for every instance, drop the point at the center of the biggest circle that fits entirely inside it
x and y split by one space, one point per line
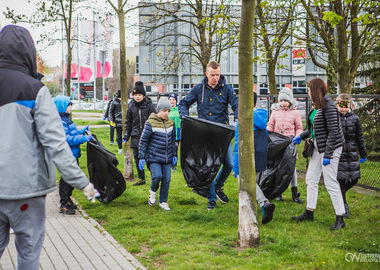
112 133
119 130
345 186
65 190
136 157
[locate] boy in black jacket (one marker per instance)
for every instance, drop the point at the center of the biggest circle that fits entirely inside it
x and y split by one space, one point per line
138 112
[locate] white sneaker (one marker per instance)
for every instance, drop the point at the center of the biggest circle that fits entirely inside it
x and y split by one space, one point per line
152 197
120 151
165 206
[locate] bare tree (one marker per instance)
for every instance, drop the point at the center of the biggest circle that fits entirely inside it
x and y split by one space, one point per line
248 233
346 29
275 28
210 29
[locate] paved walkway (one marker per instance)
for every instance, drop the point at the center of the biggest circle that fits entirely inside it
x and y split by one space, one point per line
90 246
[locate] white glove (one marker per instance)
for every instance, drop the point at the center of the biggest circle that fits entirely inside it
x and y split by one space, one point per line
89 191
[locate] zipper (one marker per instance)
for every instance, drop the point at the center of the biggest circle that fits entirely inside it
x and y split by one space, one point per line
167 142
140 119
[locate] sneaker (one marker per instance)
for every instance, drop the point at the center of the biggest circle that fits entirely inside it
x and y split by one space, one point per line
120 151
268 210
152 198
174 169
279 198
72 204
221 196
111 142
139 183
165 206
211 205
66 209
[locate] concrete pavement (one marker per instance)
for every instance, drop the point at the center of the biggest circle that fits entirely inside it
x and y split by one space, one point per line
74 242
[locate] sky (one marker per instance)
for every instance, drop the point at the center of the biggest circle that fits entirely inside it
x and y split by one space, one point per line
52 55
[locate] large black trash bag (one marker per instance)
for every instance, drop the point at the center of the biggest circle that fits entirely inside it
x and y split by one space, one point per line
203 147
103 171
281 164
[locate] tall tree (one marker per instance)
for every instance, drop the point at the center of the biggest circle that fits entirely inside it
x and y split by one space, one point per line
275 28
203 30
355 24
48 12
248 233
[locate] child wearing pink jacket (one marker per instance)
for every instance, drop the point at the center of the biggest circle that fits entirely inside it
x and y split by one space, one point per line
286 120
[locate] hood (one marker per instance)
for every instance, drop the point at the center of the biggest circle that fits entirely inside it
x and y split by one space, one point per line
260 117
17 50
221 83
61 102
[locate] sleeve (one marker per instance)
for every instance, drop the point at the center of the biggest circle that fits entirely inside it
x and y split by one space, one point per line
332 124
298 123
360 138
73 140
51 135
271 123
144 140
185 103
235 167
128 125
108 108
233 101
111 115
174 135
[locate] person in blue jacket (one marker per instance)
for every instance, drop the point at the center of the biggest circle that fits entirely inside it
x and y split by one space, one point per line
213 95
260 117
74 138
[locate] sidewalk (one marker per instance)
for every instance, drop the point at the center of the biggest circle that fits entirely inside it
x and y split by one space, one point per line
90 246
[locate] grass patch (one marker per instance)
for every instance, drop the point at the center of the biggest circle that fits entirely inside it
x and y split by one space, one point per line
80 122
191 237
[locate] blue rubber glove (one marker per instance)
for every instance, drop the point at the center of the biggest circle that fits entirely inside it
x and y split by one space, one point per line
174 161
88 137
235 175
87 128
362 160
104 118
326 161
296 140
124 141
142 164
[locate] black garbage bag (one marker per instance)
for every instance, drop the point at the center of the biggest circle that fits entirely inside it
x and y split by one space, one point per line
203 147
281 164
103 171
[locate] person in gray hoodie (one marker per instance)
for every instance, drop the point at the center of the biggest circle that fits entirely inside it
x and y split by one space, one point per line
33 144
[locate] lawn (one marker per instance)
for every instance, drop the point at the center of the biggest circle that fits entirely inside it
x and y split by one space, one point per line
191 237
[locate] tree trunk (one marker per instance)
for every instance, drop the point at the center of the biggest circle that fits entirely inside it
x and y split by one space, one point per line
248 232
272 77
128 161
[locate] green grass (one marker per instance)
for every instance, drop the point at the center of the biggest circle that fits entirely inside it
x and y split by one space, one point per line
79 122
191 237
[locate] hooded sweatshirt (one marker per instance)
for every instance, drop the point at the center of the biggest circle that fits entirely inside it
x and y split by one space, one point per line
32 140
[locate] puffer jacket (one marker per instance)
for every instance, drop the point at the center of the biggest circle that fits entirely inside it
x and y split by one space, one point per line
349 166
137 114
286 121
32 140
212 103
115 115
74 137
260 133
327 129
157 140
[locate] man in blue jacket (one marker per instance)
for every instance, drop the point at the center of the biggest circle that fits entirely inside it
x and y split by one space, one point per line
213 96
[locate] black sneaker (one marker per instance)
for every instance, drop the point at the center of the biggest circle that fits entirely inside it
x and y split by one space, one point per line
211 205
139 183
72 204
221 196
268 210
66 209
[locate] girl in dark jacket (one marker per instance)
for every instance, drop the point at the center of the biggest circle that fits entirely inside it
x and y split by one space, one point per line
116 119
138 112
327 150
349 166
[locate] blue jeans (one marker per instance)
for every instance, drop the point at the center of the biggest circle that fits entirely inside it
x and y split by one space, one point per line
161 173
223 174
